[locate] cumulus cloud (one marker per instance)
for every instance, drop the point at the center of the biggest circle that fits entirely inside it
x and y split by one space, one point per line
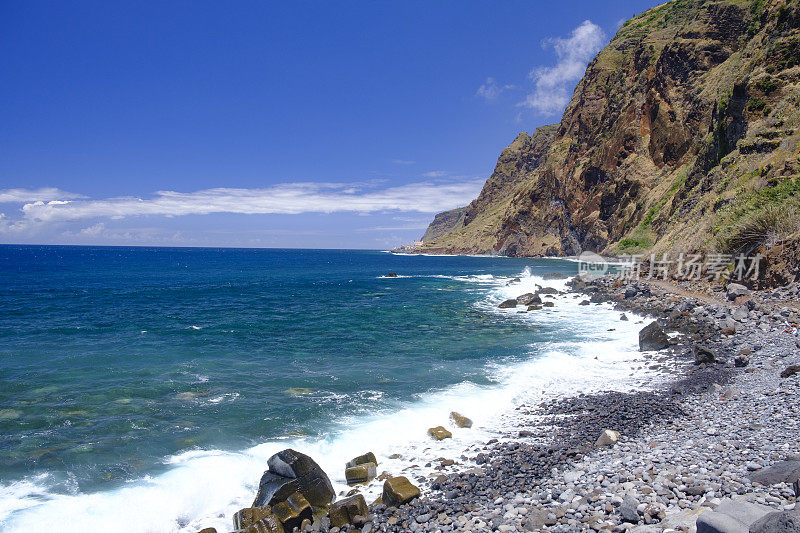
287 198
491 90
42 194
553 85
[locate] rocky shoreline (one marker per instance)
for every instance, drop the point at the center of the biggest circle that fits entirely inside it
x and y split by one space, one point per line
711 450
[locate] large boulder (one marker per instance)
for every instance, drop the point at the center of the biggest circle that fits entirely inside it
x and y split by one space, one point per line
291 471
781 472
528 299
731 516
508 304
439 433
257 520
342 512
777 522
460 420
652 337
397 491
547 290
293 511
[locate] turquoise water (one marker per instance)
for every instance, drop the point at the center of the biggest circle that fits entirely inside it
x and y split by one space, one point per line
114 360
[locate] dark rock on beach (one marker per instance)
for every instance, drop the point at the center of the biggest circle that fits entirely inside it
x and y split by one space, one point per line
289 472
652 337
508 304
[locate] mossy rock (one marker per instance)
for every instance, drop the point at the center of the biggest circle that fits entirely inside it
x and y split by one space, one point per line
398 491
293 511
342 512
256 520
368 457
439 433
460 420
360 473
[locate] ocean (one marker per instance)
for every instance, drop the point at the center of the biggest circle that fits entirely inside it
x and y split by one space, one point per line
143 389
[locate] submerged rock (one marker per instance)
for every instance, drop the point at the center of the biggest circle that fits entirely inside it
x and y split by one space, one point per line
344 511
652 337
390 275
398 490
528 299
291 471
460 420
439 433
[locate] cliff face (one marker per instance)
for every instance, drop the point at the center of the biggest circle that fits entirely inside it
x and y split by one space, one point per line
684 134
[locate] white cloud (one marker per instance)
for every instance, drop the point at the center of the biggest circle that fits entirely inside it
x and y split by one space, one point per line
42 194
288 198
93 231
435 174
553 85
403 162
491 90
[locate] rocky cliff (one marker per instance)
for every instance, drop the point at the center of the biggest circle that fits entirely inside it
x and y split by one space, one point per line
683 135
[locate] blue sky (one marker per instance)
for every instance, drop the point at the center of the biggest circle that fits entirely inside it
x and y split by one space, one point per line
292 124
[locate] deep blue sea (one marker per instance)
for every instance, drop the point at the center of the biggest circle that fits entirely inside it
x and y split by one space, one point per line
160 379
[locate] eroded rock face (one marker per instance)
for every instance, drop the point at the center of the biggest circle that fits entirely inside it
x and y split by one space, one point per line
289 472
685 101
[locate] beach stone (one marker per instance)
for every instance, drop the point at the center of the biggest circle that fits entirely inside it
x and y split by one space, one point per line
508 304
780 472
368 457
584 302
439 433
790 371
398 490
342 512
623 317
460 420
293 511
628 509
702 354
528 299
652 337
777 522
256 520
361 473
608 437
740 313
741 361
290 471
